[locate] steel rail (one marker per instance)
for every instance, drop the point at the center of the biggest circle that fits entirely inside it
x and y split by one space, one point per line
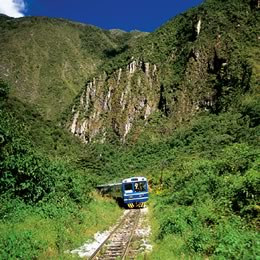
112 232
131 236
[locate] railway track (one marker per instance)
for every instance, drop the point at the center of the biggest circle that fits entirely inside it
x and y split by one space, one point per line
116 246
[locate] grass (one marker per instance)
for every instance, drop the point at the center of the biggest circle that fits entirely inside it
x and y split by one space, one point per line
52 237
171 246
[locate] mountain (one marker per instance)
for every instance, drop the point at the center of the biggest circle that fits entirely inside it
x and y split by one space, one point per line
203 60
81 106
47 61
199 61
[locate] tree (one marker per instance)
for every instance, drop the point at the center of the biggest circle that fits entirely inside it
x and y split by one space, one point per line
4 90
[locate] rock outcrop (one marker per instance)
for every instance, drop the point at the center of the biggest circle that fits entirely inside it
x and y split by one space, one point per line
116 102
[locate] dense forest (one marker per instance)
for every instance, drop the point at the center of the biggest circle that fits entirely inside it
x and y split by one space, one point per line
199 147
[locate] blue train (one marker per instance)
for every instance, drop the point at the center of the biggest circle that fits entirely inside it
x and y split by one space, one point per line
133 192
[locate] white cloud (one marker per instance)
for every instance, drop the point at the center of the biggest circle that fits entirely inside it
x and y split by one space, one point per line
13 8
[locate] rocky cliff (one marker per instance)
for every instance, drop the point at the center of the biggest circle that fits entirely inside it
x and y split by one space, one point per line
117 101
197 62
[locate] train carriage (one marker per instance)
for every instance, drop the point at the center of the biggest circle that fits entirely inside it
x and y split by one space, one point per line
133 192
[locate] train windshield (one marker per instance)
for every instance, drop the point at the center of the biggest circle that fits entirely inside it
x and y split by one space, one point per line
140 186
128 187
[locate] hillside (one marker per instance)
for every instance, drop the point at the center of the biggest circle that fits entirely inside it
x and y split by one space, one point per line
202 60
47 61
180 106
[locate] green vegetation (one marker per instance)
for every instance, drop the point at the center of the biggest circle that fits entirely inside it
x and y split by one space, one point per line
209 200
202 158
209 70
50 229
46 202
47 61
205 184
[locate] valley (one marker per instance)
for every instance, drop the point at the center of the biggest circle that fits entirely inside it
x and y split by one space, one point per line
81 106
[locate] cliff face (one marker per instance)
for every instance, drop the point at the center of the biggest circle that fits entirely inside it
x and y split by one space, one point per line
197 62
116 102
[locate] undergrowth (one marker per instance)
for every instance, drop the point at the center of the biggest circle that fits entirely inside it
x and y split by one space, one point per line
47 206
49 230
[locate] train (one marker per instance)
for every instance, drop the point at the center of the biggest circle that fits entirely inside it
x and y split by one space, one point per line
132 192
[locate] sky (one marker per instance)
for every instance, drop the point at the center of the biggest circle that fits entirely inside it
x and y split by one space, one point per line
143 15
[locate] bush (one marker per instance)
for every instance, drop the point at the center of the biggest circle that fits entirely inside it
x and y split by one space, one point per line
210 198
20 245
173 222
235 241
4 90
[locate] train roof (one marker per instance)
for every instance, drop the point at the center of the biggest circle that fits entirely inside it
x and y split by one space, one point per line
109 185
132 179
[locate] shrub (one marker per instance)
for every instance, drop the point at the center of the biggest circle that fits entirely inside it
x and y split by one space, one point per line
20 245
235 241
4 90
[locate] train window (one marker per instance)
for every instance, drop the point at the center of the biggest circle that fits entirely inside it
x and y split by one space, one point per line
140 186
128 187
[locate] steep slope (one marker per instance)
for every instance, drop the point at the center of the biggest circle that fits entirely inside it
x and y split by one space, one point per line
204 54
109 105
46 61
199 61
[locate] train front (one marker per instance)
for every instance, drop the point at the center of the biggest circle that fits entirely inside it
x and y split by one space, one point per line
135 191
